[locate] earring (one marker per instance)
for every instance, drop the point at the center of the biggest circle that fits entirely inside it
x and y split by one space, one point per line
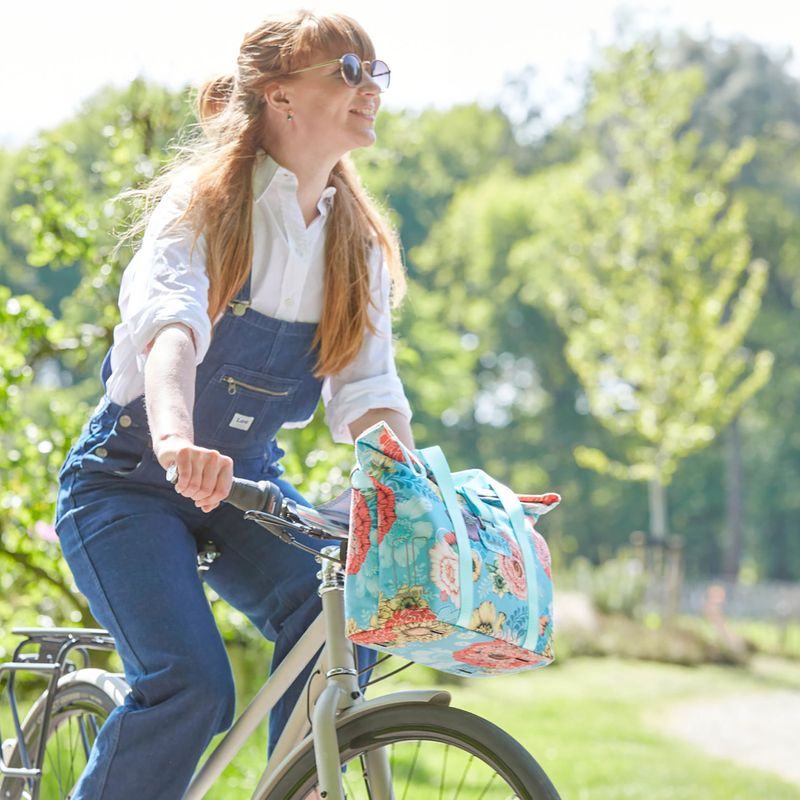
290 116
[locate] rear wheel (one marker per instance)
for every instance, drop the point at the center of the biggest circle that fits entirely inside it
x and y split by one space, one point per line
79 711
433 752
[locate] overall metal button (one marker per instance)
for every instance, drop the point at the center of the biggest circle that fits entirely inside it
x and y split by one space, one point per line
125 421
102 452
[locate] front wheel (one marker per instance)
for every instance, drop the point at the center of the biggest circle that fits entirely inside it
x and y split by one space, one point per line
80 707
433 751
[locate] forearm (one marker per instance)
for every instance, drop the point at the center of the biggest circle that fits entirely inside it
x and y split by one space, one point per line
169 378
394 419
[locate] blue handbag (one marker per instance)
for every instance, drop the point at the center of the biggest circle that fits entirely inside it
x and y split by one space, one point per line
445 569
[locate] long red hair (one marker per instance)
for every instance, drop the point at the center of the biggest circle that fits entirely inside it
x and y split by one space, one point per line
233 119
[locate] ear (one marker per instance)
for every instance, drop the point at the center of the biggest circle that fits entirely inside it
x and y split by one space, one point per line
278 97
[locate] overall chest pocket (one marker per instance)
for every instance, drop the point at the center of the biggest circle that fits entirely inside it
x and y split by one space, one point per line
239 407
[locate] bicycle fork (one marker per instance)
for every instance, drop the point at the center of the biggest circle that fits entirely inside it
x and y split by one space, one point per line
341 691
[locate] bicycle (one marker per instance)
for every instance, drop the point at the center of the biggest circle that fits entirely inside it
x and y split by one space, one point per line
336 741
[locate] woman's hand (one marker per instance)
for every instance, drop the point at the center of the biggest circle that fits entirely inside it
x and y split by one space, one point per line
204 476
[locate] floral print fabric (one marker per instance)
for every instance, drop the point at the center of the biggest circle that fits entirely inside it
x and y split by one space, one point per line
402 591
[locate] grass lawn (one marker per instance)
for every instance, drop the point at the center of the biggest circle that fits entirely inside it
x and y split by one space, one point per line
593 724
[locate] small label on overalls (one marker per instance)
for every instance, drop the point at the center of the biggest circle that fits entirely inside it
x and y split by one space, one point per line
241 422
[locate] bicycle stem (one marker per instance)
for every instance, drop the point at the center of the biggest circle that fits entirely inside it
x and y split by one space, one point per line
341 690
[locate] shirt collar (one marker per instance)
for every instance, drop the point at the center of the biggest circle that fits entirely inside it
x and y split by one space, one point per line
268 173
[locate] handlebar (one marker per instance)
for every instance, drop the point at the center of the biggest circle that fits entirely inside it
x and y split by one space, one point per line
247 495
251 496
263 502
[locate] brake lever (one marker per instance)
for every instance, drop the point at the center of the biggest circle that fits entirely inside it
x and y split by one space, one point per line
276 526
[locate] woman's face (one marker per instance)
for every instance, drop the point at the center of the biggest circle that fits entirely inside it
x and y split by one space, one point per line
329 115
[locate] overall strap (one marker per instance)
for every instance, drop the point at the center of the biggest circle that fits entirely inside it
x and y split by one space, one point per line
105 370
241 302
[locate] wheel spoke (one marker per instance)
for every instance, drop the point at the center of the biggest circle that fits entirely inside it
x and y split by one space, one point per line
348 791
430 752
365 775
463 777
411 771
444 772
71 755
486 788
87 746
68 742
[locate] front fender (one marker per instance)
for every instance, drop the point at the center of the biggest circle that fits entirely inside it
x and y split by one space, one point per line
434 696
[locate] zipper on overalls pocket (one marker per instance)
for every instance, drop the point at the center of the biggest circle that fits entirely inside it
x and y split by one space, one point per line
233 383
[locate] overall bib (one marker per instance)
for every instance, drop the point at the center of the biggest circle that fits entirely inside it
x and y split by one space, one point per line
131 542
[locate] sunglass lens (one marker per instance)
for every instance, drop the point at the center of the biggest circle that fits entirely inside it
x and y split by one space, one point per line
380 73
351 69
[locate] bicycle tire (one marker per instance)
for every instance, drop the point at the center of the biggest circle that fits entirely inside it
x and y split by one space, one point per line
415 723
75 700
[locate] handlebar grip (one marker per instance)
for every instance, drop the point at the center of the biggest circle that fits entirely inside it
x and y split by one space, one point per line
251 496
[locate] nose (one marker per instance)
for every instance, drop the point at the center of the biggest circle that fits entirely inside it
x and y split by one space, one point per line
368 84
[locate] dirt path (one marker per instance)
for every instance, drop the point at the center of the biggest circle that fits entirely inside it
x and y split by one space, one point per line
758 729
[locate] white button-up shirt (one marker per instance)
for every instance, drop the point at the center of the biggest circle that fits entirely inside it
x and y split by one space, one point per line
166 282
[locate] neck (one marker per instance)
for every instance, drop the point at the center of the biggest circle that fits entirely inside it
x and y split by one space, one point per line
313 175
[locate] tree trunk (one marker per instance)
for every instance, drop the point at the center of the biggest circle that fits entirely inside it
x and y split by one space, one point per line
734 528
658 509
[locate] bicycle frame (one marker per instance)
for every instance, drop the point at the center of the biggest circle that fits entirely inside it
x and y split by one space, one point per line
337 700
332 692
51 660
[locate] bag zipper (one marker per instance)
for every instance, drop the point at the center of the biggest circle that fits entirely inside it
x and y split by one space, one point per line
233 383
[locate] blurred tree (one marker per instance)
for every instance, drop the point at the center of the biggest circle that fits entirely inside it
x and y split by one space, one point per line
58 194
750 92
646 260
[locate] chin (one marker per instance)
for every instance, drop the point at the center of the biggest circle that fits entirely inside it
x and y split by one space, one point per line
368 137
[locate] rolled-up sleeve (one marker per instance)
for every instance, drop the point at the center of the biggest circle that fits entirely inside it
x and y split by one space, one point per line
370 380
166 281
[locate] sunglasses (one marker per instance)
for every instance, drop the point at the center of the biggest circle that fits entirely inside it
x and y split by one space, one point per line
351 68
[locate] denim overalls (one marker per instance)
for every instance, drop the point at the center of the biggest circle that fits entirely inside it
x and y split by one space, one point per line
131 541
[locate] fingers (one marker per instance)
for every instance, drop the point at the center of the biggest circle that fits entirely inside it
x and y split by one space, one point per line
221 488
204 476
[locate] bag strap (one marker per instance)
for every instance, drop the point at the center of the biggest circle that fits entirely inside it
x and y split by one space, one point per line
513 507
441 473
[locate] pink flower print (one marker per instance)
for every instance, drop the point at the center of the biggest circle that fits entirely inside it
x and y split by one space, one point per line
498 655
386 508
444 570
513 571
361 523
542 550
382 638
542 553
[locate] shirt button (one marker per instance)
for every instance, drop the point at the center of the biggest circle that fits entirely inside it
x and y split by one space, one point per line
102 452
125 421
289 302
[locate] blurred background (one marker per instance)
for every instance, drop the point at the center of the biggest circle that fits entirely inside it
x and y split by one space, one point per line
599 207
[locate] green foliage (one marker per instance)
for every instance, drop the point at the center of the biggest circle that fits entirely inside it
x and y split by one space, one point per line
632 240
36 583
647 258
676 642
617 586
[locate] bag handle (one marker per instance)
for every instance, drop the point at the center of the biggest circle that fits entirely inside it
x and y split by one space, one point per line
513 507
441 473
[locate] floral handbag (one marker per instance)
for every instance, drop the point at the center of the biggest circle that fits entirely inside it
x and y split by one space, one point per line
445 570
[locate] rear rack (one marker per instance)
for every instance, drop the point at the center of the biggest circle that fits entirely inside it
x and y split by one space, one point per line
51 660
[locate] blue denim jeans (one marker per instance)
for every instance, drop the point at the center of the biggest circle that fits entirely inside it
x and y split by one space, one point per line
131 542
132 551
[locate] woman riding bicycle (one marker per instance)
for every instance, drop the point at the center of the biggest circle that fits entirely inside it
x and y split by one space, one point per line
263 282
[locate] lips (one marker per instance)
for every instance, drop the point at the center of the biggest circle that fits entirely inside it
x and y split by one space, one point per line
364 113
